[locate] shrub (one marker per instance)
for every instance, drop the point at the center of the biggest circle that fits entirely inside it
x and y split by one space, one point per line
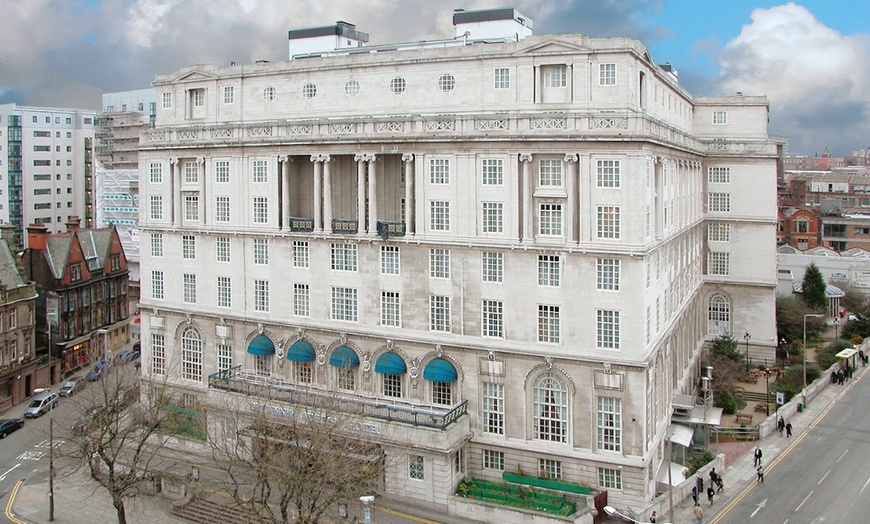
697 462
826 355
725 346
727 402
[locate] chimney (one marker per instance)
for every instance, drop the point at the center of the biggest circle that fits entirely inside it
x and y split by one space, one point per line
37 234
72 224
7 233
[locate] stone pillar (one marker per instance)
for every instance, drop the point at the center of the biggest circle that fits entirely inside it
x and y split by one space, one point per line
373 195
285 192
528 213
327 194
408 160
360 192
572 215
318 223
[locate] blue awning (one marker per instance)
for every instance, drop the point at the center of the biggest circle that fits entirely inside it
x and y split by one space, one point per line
343 357
300 351
261 345
439 370
390 364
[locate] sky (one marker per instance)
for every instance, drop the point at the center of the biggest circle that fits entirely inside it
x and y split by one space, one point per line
810 58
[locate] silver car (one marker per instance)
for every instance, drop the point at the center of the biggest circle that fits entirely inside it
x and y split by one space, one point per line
41 404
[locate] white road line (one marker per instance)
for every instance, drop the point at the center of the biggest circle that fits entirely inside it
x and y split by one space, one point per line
761 504
864 486
3 476
823 477
841 456
804 501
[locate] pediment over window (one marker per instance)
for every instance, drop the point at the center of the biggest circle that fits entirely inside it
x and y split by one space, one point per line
193 76
554 47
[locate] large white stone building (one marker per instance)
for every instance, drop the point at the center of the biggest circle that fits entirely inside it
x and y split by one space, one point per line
46 167
511 248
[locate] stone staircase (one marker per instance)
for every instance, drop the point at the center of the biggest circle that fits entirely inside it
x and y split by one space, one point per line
751 396
204 511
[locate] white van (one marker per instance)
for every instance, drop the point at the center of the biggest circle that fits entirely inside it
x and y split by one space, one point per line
41 404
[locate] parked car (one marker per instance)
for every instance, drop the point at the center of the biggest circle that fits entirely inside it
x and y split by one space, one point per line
853 316
9 425
41 404
97 372
127 355
70 388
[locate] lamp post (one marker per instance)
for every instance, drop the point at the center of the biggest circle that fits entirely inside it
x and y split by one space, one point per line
836 323
746 337
767 397
367 509
808 315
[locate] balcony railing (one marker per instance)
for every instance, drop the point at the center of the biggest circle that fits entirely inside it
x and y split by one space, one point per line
261 387
342 226
390 229
302 225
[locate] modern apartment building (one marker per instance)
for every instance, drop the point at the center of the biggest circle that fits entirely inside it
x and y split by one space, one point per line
509 249
46 165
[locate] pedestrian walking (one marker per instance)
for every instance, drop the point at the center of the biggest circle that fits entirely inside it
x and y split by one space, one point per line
719 484
695 494
780 425
699 514
710 493
757 457
788 429
713 476
653 518
759 474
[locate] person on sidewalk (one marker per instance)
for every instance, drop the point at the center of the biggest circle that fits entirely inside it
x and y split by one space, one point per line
653 518
780 425
695 494
757 457
710 493
699 514
759 474
788 429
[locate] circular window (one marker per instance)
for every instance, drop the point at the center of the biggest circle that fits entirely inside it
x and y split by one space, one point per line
269 94
398 85
351 88
309 90
446 83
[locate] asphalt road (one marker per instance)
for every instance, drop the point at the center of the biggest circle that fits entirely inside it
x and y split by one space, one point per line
25 452
821 476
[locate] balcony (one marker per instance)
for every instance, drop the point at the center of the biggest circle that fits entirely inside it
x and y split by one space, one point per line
300 225
345 227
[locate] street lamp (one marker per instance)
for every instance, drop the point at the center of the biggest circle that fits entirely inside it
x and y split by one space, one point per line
610 510
767 397
367 509
808 315
836 323
746 337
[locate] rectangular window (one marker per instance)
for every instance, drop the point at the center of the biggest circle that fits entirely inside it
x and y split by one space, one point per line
439 215
300 253
719 232
548 324
719 202
260 172
415 467
188 247
198 97
549 468
442 393
555 76
549 270
224 356
492 221
390 315
720 118
608 329
608 273
608 222
392 385
439 171
439 263
550 219
222 209
158 354
191 172
156 244
167 100
608 173
550 173
344 304
493 408
439 313
493 460
156 171
261 251
607 74
492 267
718 263
344 257
191 207
609 478
229 95
492 171
301 300
492 321
222 171
157 285
261 295
189 295
609 424
502 78
156 207
224 292
719 175
222 249
389 260
261 210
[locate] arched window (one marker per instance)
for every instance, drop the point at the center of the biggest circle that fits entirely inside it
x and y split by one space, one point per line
442 375
391 367
191 354
718 315
551 408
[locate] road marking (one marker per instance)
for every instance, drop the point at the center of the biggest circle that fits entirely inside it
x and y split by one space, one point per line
864 486
31 455
804 501
761 504
47 443
3 476
9 514
824 477
841 456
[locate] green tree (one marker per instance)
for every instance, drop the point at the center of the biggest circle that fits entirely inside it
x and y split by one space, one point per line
726 347
814 289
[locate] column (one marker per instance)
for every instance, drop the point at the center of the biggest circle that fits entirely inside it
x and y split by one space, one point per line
175 193
283 220
360 192
327 194
373 195
527 213
318 224
408 160
572 215
203 206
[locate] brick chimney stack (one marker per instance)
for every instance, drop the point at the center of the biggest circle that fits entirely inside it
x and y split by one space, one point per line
72 224
37 236
7 233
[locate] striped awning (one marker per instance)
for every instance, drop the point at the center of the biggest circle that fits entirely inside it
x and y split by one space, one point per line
300 351
343 357
390 364
261 345
439 370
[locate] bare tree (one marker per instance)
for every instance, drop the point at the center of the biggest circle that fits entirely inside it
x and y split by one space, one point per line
301 459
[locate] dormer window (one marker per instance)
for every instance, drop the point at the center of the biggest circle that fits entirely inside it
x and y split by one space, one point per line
75 272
